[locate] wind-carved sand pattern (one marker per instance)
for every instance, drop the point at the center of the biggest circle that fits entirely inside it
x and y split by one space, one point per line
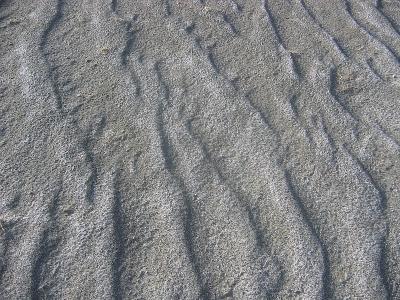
199 149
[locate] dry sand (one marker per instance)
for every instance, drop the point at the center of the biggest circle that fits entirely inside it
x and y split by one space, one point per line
184 149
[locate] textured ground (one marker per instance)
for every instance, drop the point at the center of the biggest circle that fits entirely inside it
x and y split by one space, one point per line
180 149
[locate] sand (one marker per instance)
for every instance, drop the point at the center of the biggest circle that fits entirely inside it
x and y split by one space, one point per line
180 149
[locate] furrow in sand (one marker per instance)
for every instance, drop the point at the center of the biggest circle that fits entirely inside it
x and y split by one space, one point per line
274 25
52 25
53 22
388 150
229 23
273 281
222 75
36 258
26 255
130 40
377 23
170 165
379 7
105 239
340 44
338 48
374 236
388 282
253 220
93 176
388 135
263 117
273 239
367 174
372 66
119 236
390 49
293 101
327 277
357 43
207 202
213 63
272 22
167 7
114 5
384 204
46 246
91 162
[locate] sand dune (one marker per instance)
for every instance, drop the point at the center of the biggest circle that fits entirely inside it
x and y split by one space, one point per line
179 149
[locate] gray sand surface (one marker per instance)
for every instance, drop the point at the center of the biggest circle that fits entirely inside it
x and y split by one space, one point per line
187 149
